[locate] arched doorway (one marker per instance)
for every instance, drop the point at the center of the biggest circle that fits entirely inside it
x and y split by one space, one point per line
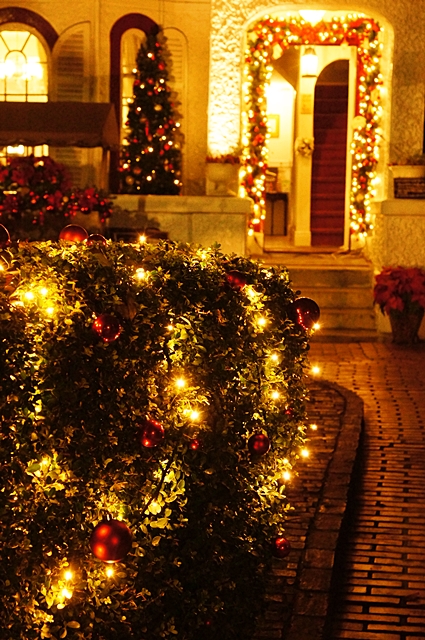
328 176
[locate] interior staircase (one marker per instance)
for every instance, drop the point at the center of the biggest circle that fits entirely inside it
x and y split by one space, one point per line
329 165
341 283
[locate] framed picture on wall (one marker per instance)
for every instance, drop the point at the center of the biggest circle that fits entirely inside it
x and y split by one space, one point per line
273 125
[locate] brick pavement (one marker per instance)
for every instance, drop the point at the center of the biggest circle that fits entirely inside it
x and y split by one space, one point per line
379 574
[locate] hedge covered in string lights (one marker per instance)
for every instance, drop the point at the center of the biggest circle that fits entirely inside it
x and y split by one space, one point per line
266 41
152 406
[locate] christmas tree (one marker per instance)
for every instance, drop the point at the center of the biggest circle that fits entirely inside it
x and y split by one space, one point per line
152 408
151 156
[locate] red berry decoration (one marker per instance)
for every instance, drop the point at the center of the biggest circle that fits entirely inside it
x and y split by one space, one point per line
236 279
281 547
304 312
110 540
258 444
4 237
152 433
107 327
96 238
73 233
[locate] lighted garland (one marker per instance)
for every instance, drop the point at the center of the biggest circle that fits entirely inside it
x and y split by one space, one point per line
266 41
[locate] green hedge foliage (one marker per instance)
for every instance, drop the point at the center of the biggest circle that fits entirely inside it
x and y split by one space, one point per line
72 407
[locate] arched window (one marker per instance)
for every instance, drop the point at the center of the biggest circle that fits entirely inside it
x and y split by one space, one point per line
127 34
23 74
130 45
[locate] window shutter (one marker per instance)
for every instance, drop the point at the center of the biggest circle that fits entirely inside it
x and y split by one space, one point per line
70 83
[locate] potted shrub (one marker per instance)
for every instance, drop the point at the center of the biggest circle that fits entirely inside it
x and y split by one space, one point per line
223 174
400 294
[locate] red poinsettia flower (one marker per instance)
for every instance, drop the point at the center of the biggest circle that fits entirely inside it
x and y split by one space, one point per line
399 289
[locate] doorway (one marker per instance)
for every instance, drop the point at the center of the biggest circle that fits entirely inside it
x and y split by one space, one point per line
329 161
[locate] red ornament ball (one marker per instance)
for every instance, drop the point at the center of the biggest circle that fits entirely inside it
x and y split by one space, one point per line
4 237
304 312
110 541
96 238
236 279
152 433
73 233
107 327
259 444
281 547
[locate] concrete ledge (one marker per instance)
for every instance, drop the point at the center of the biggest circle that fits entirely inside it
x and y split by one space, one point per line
199 220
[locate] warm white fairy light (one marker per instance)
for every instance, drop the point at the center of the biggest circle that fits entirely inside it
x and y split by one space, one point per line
29 295
66 593
315 370
286 475
261 321
275 395
180 383
194 415
316 326
142 237
313 427
274 357
68 575
141 274
305 453
109 572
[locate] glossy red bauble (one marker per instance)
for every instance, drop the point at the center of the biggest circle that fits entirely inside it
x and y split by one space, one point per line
96 239
107 327
281 547
110 540
304 312
236 279
259 444
73 233
4 237
152 433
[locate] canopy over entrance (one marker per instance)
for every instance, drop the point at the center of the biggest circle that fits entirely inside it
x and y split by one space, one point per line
59 124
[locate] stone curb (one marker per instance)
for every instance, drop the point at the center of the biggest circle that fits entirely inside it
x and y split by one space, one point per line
313 589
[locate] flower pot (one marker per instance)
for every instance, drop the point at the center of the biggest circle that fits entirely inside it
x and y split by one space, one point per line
405 326
222 179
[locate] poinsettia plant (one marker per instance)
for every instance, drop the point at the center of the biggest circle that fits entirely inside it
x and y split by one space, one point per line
37 198
400 289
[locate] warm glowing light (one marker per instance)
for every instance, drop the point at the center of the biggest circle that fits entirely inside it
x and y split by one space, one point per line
66 593
316 326
170 327
109 572
194 415
142 239
45 462
44 291
68 574
305 453
311 16
313 427
286 476
261 321
180 383
315 370
50 311
141 274
274 357
275 395
28 295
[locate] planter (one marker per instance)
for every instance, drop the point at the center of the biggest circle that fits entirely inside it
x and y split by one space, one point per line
222 179
405 327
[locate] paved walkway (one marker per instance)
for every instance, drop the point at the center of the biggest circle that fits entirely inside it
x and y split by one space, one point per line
380 568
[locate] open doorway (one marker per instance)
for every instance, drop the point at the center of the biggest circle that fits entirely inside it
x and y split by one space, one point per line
328 175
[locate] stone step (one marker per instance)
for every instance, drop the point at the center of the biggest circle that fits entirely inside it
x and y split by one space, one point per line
306 278
352 319
335 298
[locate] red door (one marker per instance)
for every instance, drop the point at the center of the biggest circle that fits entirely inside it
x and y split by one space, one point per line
329 164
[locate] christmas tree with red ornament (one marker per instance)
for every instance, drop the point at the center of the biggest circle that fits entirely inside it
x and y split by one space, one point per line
152 407
151 155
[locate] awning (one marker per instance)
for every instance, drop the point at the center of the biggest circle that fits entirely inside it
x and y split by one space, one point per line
59 124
